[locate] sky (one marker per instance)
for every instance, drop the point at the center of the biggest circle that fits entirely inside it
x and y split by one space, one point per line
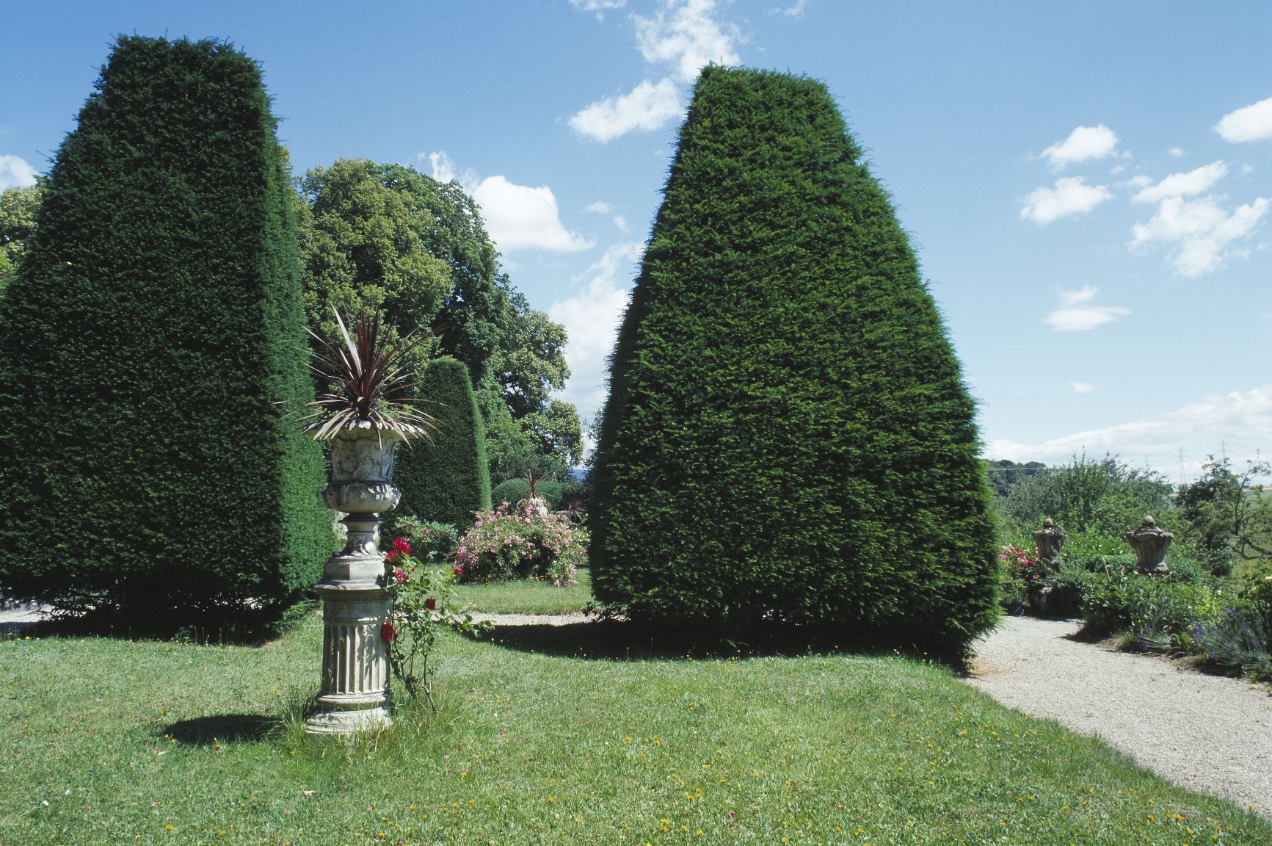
1086 185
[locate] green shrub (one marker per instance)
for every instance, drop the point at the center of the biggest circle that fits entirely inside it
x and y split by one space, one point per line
515 490
448 480
151 352
787 434
432 543
1158 610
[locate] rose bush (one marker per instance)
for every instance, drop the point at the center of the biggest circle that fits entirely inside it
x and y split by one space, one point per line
519 543
423 603
1016 576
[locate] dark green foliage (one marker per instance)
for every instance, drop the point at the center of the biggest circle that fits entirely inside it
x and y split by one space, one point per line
787 434
152 352
515 490
446 481
433 543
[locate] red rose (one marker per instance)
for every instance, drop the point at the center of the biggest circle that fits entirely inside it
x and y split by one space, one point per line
387 632
401 576
430 604
402 545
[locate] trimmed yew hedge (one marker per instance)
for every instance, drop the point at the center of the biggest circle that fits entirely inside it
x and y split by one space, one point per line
447 481
787 435
151 350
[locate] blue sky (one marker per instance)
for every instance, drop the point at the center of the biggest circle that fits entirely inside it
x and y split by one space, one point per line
1087 185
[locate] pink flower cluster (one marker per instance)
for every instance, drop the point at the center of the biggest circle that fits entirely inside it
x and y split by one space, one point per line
519 543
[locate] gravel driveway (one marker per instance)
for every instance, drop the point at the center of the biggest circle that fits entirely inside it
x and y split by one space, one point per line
1207 733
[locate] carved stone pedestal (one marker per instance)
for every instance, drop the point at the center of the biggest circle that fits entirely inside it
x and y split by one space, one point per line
355 691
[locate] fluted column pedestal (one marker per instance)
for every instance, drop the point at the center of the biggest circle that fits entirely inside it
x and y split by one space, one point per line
355 691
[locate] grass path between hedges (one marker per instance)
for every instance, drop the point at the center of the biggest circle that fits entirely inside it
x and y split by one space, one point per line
550 735
528 597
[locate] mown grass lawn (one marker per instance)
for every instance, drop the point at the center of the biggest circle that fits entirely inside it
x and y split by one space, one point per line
528 597
546 735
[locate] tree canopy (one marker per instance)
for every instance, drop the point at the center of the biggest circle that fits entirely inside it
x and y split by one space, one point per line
387 236
17 222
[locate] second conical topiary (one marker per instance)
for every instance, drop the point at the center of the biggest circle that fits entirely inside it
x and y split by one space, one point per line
787 435
447 480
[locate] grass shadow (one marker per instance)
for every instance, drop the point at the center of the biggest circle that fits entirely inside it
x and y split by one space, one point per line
224 728
610 640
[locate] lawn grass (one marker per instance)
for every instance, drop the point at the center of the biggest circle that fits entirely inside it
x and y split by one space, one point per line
528 597
547 735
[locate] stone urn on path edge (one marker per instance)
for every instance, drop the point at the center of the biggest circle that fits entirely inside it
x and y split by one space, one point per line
1150 544
355 667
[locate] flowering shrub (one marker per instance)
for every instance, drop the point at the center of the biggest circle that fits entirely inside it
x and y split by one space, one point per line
422 603
1017 574
519 543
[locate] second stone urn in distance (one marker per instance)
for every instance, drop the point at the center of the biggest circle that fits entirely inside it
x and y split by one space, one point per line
1150 544
1048 540
355 666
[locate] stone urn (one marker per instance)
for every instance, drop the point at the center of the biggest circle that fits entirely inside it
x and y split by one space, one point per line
1048 541
1150 544
355 668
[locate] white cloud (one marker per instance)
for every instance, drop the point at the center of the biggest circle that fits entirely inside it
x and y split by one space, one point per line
15 172
519 217
1179 184
1175 151
443 167
591 321
620 222
1082 387
1078 315
796 11
1083 144
598 6
1249 123
1242 421
599 208
685 35
647 107
1071 195
1201 231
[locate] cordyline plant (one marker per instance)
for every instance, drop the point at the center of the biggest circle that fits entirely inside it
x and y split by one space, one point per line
365 381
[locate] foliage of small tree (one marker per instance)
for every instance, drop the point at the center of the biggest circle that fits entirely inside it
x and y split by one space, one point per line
17 222
151 353
1226 516
387 236
447 480
1103 497
787 434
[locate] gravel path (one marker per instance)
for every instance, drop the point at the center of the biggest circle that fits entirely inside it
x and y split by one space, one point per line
1207 733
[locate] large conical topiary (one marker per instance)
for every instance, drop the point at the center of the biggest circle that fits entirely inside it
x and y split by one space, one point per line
151 352
447 480
787 435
